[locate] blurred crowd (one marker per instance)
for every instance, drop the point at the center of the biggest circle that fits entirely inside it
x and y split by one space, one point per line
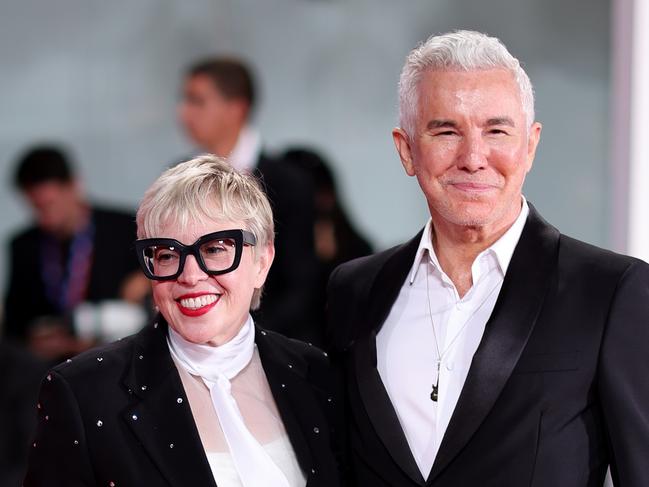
74 281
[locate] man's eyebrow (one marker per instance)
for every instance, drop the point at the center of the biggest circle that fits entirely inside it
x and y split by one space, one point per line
441 123
501 121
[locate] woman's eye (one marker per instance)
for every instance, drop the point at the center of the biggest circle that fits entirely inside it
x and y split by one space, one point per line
215 249
165 256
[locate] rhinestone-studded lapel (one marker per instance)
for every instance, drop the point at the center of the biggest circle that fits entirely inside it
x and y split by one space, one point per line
297 398
160 416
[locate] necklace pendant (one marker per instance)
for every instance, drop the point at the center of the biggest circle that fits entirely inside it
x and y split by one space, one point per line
433 394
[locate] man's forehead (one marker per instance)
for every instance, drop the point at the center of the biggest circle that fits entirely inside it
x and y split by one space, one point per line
455 80
493 95
201 83
494 121
49 187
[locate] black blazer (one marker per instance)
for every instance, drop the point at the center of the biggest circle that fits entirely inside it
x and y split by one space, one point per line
557 390
113 260
118 415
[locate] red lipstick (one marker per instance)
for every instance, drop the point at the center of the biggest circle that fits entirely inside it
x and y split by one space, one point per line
196 311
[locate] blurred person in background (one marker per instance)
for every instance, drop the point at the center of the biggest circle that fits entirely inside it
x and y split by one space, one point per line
336 239
74 253
218 99
203 396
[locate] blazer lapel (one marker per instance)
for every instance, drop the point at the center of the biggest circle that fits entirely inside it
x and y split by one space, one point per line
375 398
160 416
287 377
518 306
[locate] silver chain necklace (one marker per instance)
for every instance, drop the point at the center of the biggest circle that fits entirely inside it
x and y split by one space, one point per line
434 395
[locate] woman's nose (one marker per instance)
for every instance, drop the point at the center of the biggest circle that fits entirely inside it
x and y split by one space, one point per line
192 273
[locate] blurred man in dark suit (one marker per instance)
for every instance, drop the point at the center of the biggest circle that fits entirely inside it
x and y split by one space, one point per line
75 252
218 98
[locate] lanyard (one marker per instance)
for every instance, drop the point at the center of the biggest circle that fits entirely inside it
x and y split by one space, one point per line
66 277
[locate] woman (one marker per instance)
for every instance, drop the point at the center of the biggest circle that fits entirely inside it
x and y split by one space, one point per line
202 396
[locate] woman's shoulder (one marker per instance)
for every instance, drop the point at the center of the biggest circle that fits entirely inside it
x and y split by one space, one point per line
302 357
98 363
293 346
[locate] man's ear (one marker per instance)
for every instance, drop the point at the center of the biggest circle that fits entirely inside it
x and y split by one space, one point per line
239 110
402 143
532 143
264 259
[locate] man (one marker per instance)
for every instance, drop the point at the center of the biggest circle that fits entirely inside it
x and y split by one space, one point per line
73 253
490 350
218 100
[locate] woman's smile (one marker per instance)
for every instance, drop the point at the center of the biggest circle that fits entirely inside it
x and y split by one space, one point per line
197 304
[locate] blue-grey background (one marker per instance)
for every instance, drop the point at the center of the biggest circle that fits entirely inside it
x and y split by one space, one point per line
103 77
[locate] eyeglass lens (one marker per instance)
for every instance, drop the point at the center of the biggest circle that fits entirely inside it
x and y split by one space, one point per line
217 255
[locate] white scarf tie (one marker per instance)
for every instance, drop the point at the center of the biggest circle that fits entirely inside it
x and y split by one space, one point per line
216 366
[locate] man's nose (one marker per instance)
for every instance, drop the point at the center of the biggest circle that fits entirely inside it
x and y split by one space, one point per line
192 273
473 153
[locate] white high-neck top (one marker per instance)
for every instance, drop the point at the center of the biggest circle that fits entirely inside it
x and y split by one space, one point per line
406 352
253 396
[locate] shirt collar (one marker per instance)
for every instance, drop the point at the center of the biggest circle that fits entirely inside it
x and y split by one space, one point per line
246 151
503 248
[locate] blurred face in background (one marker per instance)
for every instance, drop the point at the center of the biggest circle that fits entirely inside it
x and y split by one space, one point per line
56 205
208 117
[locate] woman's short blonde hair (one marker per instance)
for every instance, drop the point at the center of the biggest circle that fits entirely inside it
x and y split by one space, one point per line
206 187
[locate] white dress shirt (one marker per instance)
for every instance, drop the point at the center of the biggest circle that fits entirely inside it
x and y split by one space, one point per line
406 352
246 151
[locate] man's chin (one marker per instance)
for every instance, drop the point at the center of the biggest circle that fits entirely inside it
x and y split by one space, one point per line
468 213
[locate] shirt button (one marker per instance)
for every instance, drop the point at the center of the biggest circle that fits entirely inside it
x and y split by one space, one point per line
449 365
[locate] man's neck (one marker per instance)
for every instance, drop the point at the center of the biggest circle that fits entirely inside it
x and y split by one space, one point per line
457 246
224 144
76 223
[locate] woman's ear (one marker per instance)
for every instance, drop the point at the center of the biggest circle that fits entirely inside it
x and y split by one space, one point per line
264 259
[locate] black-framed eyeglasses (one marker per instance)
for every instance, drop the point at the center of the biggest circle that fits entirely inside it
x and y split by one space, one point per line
163 259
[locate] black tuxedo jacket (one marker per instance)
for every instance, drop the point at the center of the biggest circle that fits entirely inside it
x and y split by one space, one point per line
113 260
557 390
118 415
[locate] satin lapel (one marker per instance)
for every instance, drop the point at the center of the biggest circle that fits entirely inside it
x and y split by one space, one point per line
160 416
287 380
518 306
375 398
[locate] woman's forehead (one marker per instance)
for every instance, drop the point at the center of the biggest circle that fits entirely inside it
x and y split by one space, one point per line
191 230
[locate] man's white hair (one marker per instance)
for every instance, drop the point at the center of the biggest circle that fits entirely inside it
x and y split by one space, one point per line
463 50
206 188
